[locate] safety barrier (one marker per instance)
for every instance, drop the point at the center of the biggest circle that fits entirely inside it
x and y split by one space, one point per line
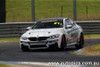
13 30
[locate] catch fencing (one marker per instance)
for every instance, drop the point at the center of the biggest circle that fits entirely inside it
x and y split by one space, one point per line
14 30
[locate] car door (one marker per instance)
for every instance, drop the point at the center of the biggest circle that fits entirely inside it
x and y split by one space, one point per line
74 33
69 31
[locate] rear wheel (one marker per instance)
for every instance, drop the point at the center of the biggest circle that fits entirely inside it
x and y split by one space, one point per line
80 42
24 48
63 43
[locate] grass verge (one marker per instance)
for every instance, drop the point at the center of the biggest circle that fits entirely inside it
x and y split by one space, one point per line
9 40
90 50
92 36
4 65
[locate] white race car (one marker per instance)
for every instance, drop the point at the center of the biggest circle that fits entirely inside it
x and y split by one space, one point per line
52 33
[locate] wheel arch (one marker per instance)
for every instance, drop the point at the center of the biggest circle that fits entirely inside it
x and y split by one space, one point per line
81 33
63 36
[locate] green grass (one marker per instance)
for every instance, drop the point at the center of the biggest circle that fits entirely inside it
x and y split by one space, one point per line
92 36
9 40
20 10
4 65
90 50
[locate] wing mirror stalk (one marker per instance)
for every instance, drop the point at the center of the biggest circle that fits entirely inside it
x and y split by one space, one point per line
68 26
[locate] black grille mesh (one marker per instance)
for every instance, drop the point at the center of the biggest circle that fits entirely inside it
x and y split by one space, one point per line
38 39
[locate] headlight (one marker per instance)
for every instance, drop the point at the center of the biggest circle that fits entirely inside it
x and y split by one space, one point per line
24 38
54 36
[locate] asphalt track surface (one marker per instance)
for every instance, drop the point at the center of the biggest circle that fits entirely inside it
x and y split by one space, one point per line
11 52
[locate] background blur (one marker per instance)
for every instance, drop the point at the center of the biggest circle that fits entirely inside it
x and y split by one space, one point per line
20 10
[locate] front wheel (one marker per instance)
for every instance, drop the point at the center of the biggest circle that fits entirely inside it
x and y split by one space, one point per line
80 42
63 43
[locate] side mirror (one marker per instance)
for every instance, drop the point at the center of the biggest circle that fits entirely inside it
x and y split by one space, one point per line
74 22
28 28
68 26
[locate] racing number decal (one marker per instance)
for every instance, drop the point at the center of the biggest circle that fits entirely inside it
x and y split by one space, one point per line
57 23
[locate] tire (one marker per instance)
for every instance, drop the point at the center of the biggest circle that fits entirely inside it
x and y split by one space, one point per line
63 43
80 42
24 48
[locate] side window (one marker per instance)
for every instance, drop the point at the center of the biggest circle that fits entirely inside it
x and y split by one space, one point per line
68 22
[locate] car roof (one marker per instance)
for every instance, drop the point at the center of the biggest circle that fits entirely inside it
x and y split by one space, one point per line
52 19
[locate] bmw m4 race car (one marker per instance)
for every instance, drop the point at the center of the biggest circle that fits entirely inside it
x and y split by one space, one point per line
52 33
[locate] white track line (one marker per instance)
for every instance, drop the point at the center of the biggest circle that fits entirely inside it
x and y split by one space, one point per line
39 64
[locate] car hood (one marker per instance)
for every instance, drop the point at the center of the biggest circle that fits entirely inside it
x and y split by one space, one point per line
42 32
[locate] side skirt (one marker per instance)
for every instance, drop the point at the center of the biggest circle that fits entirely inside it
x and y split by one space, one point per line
72 44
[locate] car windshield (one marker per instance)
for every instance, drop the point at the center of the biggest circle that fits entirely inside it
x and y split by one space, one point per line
48 24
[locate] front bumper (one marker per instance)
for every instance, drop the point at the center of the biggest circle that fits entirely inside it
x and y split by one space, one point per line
40 44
